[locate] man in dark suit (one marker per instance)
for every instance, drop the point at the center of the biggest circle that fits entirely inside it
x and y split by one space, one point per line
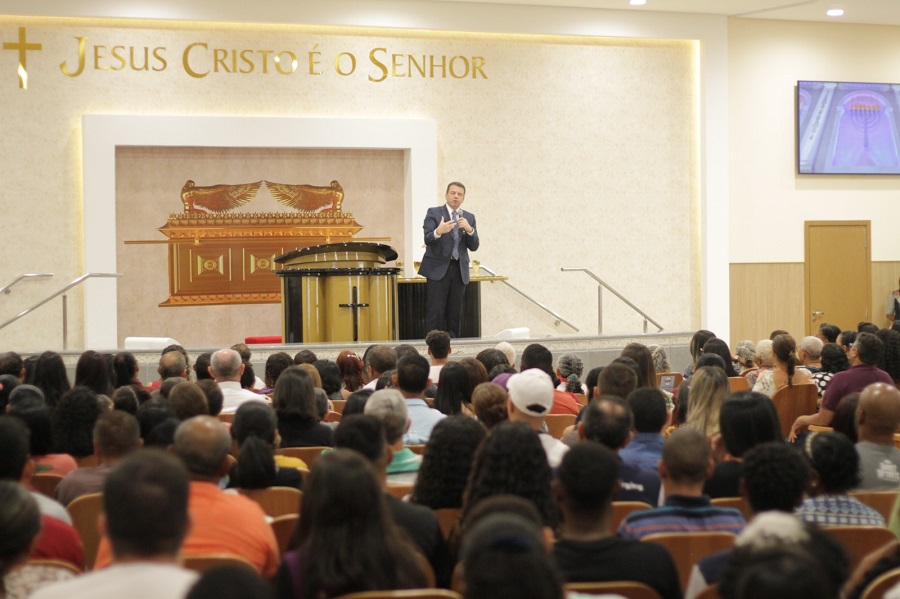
449 235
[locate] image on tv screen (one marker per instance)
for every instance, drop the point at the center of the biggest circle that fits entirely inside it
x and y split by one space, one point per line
848 128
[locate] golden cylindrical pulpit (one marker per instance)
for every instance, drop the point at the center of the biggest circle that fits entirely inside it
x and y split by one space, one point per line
339 292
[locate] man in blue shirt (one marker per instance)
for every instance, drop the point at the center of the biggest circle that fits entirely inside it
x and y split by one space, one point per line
412 380
648 405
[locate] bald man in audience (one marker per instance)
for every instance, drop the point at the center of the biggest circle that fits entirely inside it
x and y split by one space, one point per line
877 419
220 522
810 354
171 364
226 367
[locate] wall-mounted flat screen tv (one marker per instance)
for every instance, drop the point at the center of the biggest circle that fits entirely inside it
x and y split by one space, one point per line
846 128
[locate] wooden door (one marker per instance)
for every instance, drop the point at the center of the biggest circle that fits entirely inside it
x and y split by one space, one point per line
838 273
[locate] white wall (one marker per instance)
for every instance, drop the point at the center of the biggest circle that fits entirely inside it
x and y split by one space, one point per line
769 200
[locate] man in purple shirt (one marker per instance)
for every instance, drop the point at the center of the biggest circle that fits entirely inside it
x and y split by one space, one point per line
865 352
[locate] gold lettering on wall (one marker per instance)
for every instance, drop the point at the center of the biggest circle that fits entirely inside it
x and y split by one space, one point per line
200 60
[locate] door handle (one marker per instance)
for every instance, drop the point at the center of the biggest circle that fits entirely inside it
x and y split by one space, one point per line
816 314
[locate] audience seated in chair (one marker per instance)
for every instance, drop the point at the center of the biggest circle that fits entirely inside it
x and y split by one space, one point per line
877 418
686 465
390 408
587 550
608 421
220 522
146 518
412 380
255 437
365 434
447 462
298 415
116 435
530 400
648 407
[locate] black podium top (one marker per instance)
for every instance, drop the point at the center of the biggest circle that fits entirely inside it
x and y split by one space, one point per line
380 251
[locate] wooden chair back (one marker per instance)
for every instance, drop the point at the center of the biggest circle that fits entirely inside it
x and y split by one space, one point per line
308 454
629 590
881 585
897 440
447 519
284 527
558 423
84 512
226 418
738 383
88 461
202 563
739 503
688 548
45 483
793 402
881 501
332 416
581 398
815 428
55 563
275 501
405 594
668 381
859 541
400 491
747 371
620 509
338 405
418 448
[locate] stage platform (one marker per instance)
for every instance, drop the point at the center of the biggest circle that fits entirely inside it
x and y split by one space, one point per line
593 350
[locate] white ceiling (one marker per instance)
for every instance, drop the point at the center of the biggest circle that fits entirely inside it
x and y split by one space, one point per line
879 12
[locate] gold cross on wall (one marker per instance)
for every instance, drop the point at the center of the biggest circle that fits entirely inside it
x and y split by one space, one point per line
23 47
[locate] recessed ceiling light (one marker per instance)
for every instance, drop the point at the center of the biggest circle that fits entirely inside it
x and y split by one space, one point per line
835 12
637 2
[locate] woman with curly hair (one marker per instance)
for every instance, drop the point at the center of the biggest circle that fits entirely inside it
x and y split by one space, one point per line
346 541
275 365
73 422
447 462
50 377
512 461
454 390
351 372
835 465
890 358
834 360
785 372
569 369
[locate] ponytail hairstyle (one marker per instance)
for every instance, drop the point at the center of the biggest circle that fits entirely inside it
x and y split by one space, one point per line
125 367
785 349
254 429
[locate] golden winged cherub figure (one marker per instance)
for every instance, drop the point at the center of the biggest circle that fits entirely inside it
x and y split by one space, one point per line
216 198
308 198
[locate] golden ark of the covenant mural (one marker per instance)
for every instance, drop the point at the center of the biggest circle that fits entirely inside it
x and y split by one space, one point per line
220 256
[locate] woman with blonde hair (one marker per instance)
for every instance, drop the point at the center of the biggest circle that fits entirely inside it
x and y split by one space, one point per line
709 388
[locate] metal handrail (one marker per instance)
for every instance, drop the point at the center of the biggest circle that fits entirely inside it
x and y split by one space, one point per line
600 287
31 275
62 291
558 318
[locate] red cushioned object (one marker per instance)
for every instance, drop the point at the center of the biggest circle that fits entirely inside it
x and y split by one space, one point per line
263 340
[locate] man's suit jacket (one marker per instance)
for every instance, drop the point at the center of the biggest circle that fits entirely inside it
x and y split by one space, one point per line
438 252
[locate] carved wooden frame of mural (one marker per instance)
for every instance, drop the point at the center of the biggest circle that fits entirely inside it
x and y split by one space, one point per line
220 256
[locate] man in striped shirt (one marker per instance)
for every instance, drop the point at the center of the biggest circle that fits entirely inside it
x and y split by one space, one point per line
686 464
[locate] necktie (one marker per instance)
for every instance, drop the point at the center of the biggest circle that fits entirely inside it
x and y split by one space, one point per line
455 235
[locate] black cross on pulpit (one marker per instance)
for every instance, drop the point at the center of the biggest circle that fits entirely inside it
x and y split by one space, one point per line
355 306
